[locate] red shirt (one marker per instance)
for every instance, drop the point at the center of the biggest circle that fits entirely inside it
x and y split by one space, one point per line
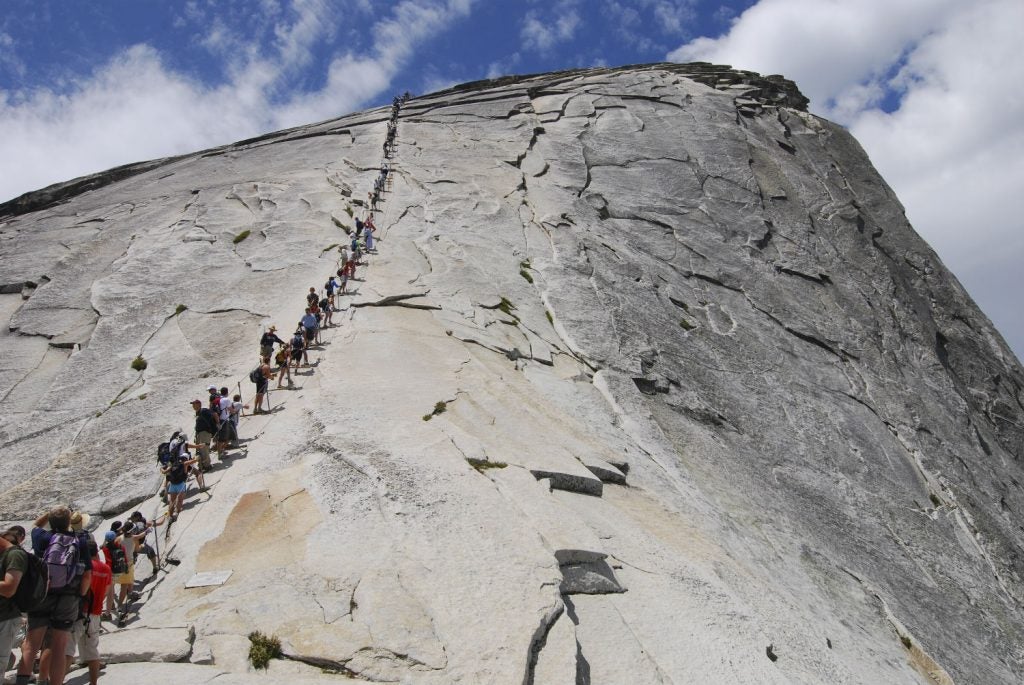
101 579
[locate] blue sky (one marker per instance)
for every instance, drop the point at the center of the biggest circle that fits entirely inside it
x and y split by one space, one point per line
929 87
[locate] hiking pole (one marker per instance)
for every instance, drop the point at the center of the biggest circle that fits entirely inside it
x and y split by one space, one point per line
241 410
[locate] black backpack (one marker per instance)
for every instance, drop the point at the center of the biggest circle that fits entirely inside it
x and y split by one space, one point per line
118 558
163 452
31 590
256 375
178 473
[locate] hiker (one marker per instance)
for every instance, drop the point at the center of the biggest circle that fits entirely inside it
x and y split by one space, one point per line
311 326
177 471
329 287
13 565
368 233
236 400
344 259
267 341
143 527
126 536
206 428
85 635
328 310
284 370
261 377
359 226
70 572
311 297
228 426
298 347
115 556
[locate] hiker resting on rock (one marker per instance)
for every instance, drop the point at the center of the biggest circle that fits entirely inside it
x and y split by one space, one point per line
262 379
70 572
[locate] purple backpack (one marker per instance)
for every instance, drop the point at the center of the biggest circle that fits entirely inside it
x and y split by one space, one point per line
61 559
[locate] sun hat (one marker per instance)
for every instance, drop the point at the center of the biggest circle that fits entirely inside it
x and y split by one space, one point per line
79 521
110 536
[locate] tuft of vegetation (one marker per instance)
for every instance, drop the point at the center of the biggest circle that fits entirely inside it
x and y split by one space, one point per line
525 264
348 210
551 319
329 248
482 465
906 641
439 408
143 396
241 236
139 364
935 499
262 649
340 225
506 306
179 309
687 326
526 274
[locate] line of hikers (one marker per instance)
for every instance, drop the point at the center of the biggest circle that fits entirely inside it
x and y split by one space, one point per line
54 598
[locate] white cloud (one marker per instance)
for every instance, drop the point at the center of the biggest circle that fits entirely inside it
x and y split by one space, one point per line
953 148
544 34
135 107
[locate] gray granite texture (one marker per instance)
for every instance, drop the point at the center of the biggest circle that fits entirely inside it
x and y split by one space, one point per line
715 412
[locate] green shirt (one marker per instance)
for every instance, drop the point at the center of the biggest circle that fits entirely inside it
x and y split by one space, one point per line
13 559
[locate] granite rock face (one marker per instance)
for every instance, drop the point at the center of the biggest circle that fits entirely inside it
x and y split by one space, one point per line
713 412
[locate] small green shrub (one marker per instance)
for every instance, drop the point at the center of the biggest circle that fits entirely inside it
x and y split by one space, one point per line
526 274
525 264
348 210
143 396
551 319
139 364
241 236
482 465
329 248
506 306
439 408
179 309
935 499
686 325
906 641
339 224
262 649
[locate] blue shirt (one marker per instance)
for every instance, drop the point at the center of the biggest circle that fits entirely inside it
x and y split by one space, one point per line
309 321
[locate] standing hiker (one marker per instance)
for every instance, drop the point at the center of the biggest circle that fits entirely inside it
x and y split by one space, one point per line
206 428
261 377
65 559
267 341
13 566
86 632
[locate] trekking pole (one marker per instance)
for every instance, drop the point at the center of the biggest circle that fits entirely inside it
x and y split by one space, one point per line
241 410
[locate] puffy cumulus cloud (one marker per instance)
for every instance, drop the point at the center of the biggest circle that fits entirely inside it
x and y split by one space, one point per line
543 34
950 136
136 107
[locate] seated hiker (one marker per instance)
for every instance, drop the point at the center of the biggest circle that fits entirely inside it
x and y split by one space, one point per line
267 341
85 635
70 576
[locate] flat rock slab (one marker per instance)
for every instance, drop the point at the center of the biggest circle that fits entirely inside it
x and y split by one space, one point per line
149 645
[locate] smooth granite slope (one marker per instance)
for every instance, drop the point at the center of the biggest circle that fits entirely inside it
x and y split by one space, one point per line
714 412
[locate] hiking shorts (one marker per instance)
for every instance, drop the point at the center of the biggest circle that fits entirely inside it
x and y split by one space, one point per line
8 631
85 635
261 386
57 612
267 351
310 333
176 488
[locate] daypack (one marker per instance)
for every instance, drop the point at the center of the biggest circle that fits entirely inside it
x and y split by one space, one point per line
256 374
297 342
61 559
31 590
163 452
280 357
178 473
118 559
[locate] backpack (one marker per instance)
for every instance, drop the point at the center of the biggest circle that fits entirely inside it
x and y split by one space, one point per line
31 590
178 473
118 558
279 358
163 452
61 559
256 374
297 342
